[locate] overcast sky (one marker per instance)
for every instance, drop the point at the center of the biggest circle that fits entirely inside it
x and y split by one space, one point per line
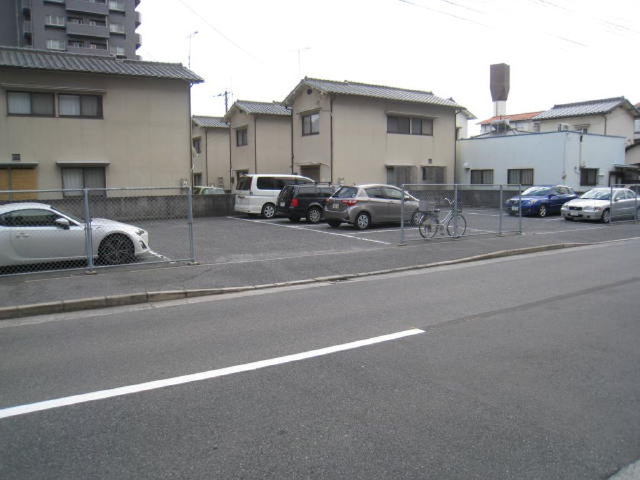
560 51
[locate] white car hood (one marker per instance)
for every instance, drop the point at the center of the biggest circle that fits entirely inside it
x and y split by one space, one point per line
587 202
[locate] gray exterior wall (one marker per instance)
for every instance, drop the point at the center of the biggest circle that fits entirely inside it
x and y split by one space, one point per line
23 23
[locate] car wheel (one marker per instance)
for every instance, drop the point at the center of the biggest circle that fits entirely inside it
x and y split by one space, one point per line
606 216
542 211
294 219
363 221
268 210
333 223
314 215
116 249
416 218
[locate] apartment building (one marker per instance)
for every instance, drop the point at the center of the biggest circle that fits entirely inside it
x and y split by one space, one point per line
97 27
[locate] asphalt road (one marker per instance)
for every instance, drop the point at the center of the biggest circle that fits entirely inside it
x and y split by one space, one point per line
518 368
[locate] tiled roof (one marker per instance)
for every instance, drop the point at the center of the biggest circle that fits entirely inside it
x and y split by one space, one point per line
371 91
29 59
516 117
261 108
210 122
580 109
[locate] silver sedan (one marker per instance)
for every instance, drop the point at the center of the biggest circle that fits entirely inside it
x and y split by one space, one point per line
603 204
33 233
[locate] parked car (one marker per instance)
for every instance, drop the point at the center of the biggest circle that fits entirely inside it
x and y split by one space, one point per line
258 193
540 200
366 205
33 233
603 204
203 190
298 201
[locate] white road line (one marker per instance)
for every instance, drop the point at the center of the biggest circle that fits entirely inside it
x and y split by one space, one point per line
197 377
312 230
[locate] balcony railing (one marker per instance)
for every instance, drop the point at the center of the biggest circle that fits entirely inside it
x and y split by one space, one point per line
88 6
90 51
85 30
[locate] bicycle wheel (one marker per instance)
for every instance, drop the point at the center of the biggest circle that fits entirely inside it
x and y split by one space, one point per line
429 226
456 226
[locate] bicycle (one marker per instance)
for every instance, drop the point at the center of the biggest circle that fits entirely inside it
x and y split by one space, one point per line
453 223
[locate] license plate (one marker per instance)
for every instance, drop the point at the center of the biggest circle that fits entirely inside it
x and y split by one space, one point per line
574 214
335 205
282 204
514 209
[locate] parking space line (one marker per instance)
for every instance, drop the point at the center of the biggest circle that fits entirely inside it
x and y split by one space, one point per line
198 377
302 227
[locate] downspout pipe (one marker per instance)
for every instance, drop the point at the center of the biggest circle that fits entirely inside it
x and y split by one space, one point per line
292 153
331 98
255 142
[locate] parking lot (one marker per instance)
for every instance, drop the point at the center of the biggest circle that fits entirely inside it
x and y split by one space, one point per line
244 238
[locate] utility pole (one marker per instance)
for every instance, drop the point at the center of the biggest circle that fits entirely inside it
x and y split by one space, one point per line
224 94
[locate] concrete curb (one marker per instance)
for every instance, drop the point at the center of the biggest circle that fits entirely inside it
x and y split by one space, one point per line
66 306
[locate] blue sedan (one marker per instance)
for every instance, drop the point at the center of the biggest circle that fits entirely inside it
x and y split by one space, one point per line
540 201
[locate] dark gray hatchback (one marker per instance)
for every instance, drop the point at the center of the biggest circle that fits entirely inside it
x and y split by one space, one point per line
304 201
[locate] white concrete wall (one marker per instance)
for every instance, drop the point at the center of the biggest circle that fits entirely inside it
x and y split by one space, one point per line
556 157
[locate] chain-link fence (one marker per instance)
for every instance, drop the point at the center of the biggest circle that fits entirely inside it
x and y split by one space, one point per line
94 228
453 211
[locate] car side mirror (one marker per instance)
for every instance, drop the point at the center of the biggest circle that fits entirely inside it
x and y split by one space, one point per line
63 223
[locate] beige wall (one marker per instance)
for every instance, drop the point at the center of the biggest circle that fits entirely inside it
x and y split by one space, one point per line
144 136
618 123
213 160
269 143
360 144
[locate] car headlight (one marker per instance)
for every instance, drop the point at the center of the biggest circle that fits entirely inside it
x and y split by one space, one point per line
140 232
591 208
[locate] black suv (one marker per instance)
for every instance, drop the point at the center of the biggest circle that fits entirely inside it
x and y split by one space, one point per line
297 201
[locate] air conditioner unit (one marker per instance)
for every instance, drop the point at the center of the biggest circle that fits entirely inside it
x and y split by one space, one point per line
563 127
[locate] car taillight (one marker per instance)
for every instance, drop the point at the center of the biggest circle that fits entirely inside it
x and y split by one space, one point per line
349 203
294 202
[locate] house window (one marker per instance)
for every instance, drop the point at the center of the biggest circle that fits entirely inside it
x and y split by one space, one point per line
582 128
399 175
433 175
409 125
30 103
74 179
311 124
481 177
521 176
241 137
197 146
589 176
86 106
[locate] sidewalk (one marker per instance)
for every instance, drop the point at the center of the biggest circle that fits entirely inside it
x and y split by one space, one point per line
65 291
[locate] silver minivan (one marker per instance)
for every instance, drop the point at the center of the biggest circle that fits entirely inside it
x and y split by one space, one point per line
257 193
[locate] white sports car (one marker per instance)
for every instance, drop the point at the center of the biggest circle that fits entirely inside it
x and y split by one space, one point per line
37 233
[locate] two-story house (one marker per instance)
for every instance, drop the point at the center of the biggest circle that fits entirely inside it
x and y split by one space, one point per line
260 135
70 121
610 116
211 152
348 132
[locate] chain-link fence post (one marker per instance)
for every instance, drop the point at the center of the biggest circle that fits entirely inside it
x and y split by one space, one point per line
88 238
192 243
500 211
402 207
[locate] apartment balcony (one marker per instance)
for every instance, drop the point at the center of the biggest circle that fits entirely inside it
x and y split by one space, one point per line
26 28
88 6
26 7
138 19
85 30
138 40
